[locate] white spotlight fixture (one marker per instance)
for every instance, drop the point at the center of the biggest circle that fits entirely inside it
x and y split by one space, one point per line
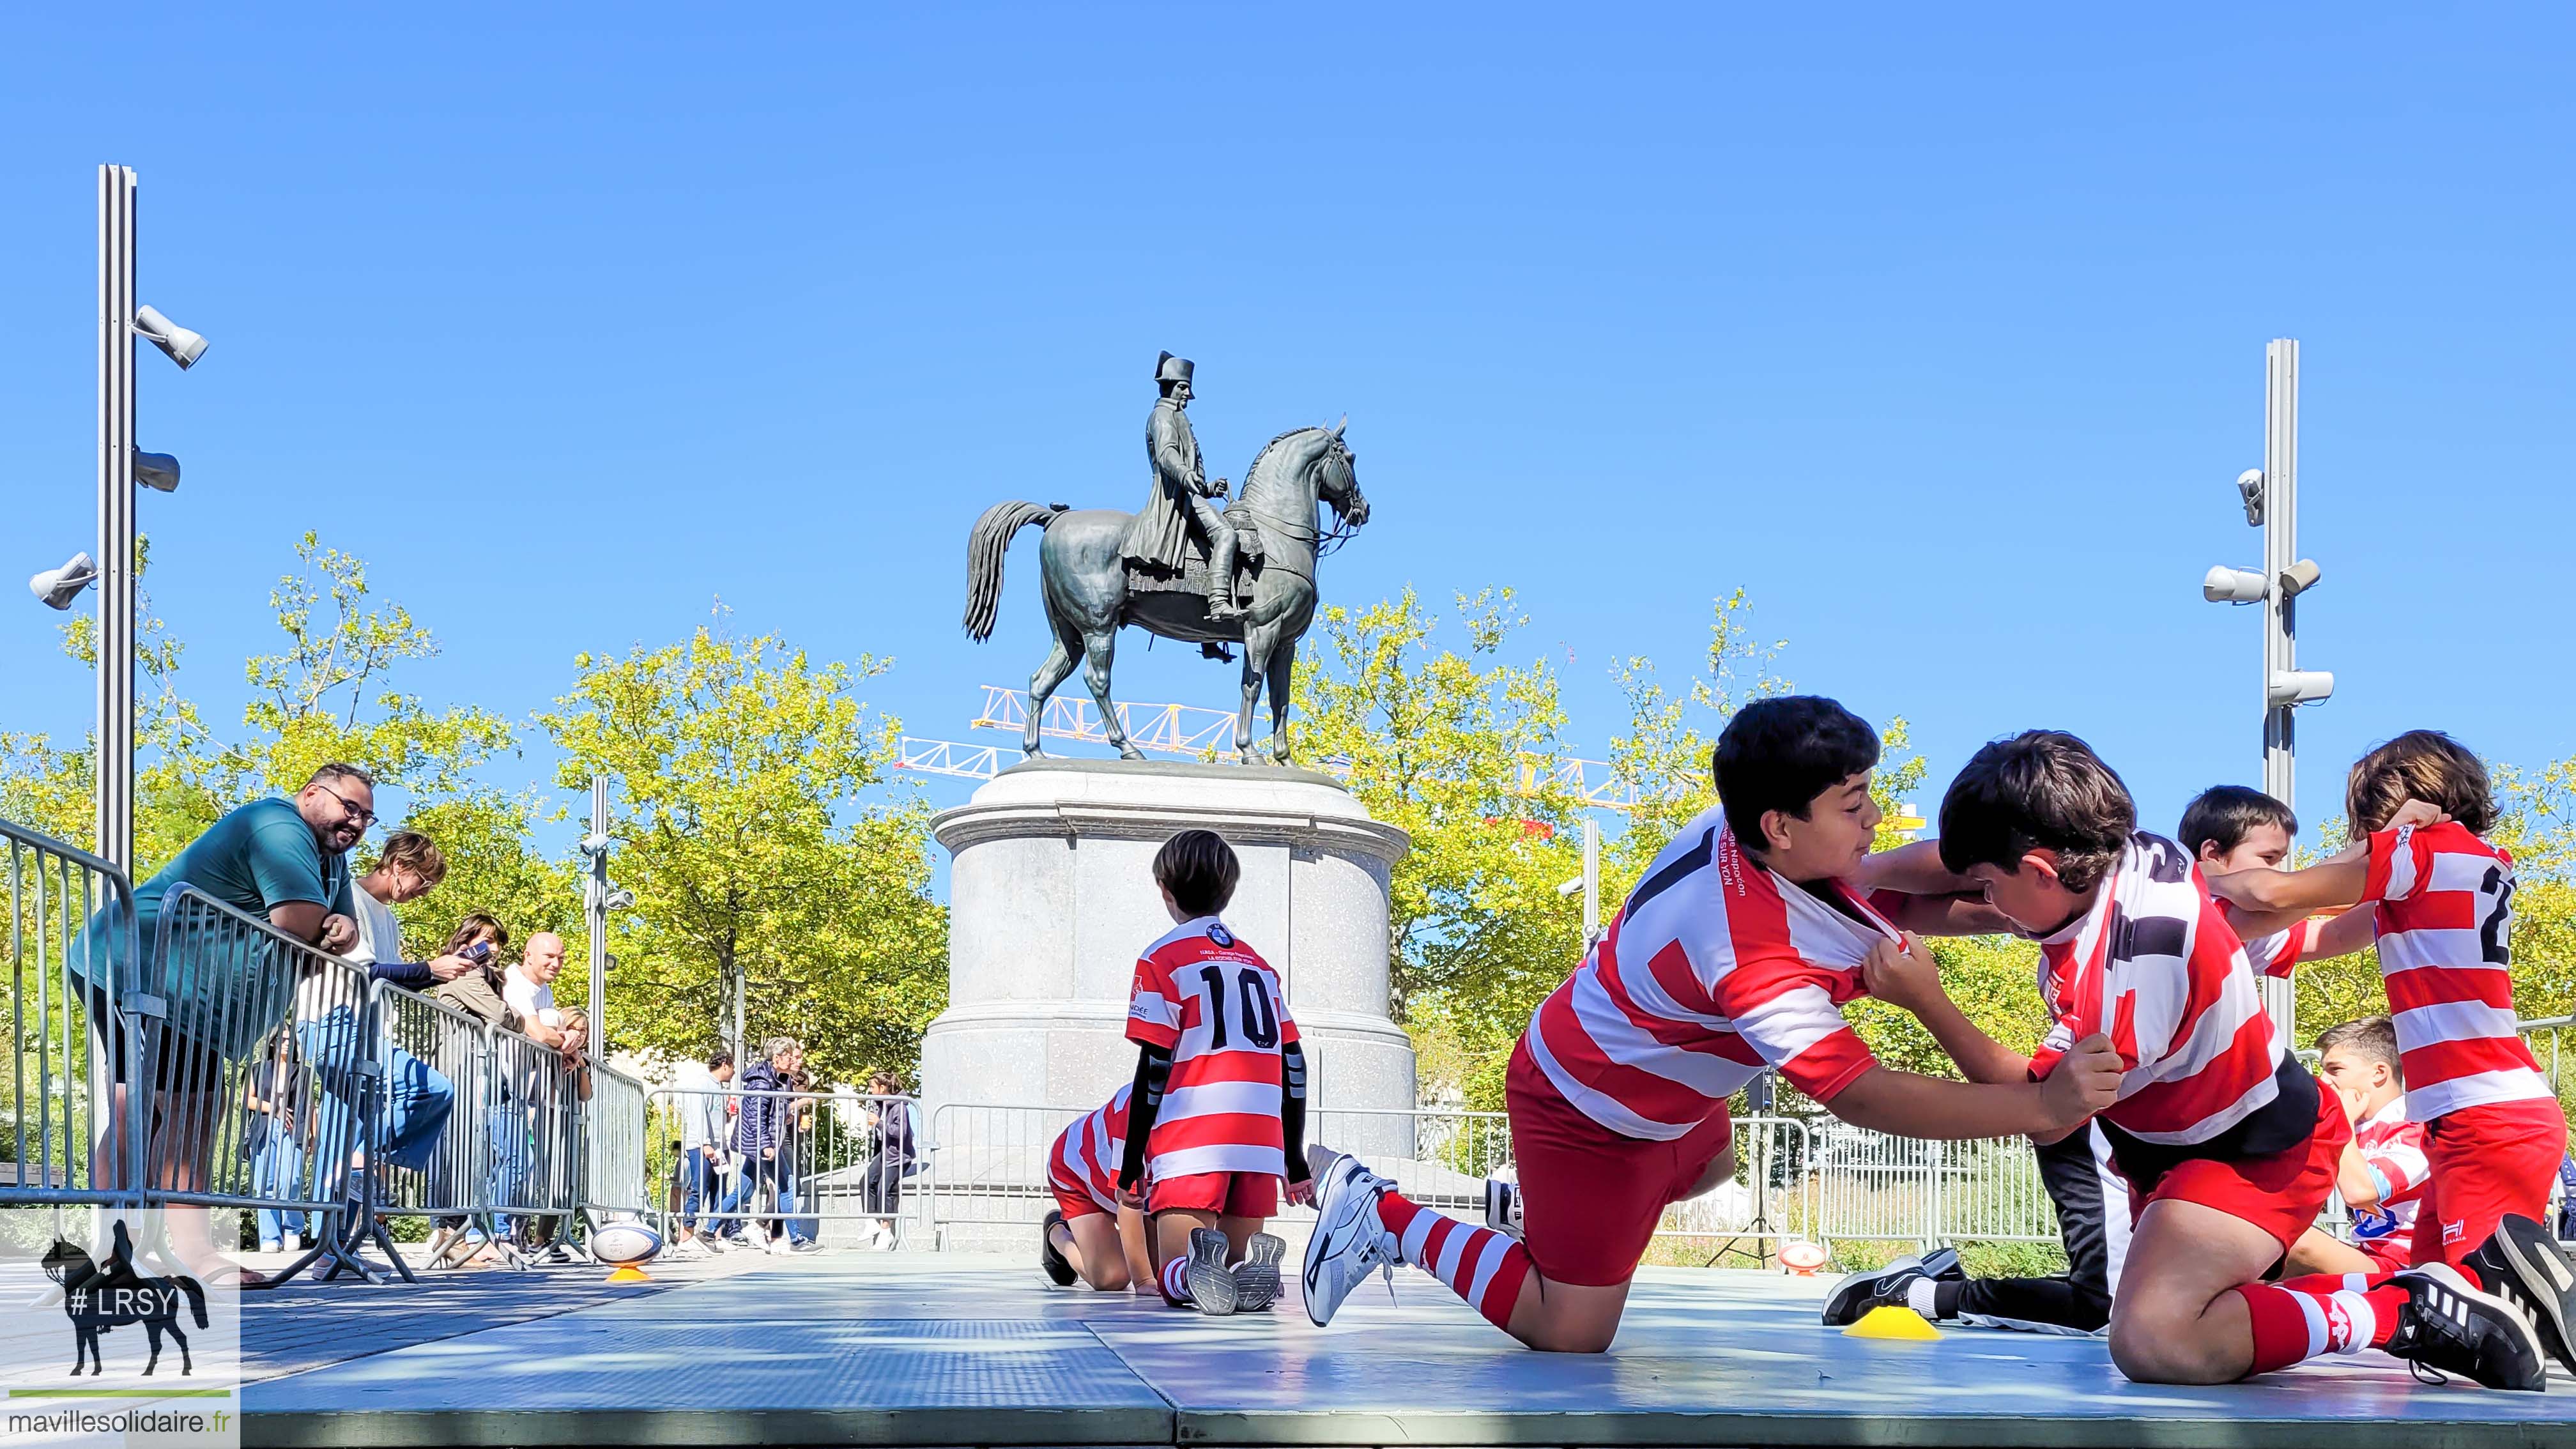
156 471
56 588
183 346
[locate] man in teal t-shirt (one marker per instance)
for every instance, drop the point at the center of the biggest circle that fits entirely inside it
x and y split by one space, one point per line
282 861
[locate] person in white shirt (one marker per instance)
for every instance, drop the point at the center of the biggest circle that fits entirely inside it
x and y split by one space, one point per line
418 1097
703 1129
529 991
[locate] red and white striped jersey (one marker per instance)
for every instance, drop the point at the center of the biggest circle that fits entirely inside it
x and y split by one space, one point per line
1714 971
1087 1155
2280 953
2154 965
2445 927
1217 1007
2393 1146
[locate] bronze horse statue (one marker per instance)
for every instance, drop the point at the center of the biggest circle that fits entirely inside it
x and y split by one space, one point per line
1091 589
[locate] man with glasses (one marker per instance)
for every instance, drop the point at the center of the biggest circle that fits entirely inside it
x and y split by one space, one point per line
282 861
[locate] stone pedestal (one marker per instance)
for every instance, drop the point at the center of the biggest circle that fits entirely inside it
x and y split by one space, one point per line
1051 898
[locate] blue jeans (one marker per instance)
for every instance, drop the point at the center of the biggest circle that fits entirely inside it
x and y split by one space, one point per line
274 1172
697 1185
418 1097
508 1125
800 1230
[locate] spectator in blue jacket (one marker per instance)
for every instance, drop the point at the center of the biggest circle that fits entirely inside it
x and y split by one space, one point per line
764 1133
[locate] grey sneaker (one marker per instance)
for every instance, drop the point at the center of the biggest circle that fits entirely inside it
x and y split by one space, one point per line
1256 1278
1211 1282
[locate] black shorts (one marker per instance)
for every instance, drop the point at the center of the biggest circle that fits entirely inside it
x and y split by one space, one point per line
180 1062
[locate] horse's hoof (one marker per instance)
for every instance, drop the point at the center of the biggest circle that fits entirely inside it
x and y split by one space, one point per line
1137 755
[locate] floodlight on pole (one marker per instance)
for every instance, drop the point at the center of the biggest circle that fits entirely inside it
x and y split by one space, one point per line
2270 497
2224 585
156 471
182 346
56 588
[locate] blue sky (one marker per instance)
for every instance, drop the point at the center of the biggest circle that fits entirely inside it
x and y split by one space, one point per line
1941 332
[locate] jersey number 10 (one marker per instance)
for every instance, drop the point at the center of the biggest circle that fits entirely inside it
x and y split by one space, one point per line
1260 1024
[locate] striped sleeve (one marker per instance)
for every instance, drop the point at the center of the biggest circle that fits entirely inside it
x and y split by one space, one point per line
1784 1009
2401 1166
1153 1007
2398 861
2279 953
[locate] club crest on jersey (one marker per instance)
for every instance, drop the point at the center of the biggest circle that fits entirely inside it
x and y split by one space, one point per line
1220 935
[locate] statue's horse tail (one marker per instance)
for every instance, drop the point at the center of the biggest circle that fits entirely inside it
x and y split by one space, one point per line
986 547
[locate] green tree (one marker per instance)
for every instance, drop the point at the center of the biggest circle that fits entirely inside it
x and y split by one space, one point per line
757 823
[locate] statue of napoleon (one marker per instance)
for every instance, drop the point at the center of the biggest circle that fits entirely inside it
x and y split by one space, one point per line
1181 567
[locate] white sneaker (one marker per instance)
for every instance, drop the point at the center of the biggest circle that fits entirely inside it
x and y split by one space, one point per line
1349 1242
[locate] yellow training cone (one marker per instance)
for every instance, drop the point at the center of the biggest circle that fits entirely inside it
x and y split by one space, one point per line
632 1274
1893 1322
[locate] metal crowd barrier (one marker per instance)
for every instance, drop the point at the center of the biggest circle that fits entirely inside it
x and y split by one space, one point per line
613 1136
830 1180
448 1180
64 1133
260 1059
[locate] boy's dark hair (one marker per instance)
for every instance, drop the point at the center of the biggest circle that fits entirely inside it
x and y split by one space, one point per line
2224 815
2041 789
719 1059
1199 869
2374 1037
2425 765
1781 753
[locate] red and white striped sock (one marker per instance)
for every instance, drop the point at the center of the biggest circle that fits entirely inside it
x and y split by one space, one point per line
1481 1265
1176 1280
2320 1314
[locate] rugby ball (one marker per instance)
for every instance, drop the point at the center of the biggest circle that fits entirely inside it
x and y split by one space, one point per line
621 1244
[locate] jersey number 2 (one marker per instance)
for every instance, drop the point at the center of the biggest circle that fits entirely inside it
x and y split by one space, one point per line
2498 951
1260 1024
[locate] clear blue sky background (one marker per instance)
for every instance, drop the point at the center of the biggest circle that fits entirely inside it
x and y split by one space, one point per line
1940 332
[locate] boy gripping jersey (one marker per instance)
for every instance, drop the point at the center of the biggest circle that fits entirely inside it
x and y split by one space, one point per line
1713 972
1083 1168
2393 1148
2154 966
2444 920
1216 1006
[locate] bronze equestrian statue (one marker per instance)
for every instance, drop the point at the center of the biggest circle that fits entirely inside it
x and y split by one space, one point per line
1180 568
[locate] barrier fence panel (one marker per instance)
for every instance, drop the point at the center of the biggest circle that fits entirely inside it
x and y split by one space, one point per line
430 1150
988 1171
613 1144
531 1126
1770 1199
259 1054
836 1169
71 921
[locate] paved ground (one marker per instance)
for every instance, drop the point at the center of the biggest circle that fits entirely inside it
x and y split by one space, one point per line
953 1350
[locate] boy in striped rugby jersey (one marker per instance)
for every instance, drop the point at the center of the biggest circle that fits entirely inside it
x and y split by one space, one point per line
1094 1232
1216 1117
2229 1145
2441 902
1732 957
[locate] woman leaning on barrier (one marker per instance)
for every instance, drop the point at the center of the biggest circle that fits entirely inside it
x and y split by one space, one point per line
893 1131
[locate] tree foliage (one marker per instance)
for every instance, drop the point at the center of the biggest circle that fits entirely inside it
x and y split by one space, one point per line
745 827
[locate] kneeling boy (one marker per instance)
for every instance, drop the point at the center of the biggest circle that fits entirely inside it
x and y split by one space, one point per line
1094 1232
2229 1144
1732 957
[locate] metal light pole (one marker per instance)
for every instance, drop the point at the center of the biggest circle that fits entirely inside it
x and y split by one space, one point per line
116 515
120 465
2271 500
599 896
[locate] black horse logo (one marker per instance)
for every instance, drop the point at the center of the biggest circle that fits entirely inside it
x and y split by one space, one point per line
98 1297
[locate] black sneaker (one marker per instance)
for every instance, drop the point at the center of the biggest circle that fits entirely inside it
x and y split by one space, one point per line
2524 1264
2448 1326
1856 1295
1941 1265
1051 1262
